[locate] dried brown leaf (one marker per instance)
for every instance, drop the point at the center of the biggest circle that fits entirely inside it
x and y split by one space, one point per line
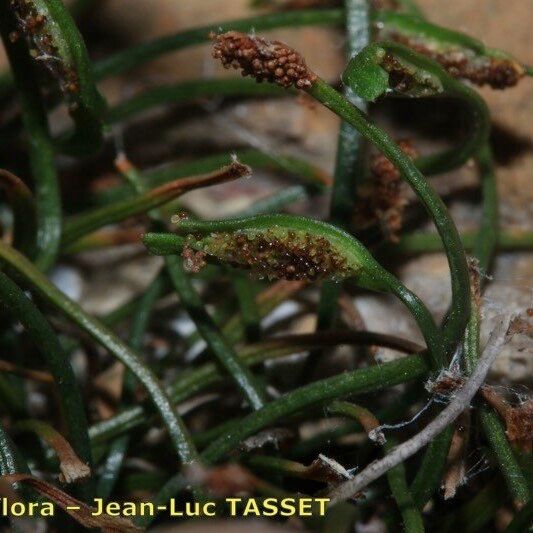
28 373
71 466
326 469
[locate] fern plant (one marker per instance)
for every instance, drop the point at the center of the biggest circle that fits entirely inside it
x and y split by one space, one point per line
251 446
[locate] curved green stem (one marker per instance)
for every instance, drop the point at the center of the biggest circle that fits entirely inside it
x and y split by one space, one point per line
484 249
405 24
432 202
40 148
19 306
392 412
175 426
430 471
478 122
73 71
515 479
492 427
411 74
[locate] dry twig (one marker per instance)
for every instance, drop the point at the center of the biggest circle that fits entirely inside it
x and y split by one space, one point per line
457 405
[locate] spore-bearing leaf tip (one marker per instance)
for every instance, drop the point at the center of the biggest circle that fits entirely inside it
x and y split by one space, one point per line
278 253
270 61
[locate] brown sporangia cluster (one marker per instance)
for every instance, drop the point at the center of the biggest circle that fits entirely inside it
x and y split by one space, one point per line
518 419
193 261
445 385
33 26
382 199
270 61
498 73
403 79
291 256
522 325
519 425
